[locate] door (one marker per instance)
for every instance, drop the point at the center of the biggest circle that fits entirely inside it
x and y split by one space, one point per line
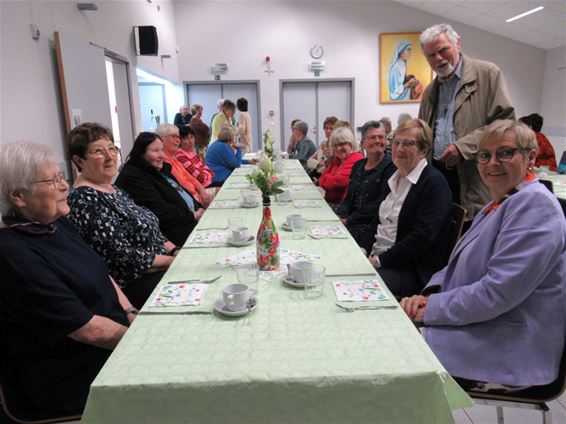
123 109
299 102
152 101
313 101
208 93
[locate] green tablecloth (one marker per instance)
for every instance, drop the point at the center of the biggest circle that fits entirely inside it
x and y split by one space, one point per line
291 360
558 181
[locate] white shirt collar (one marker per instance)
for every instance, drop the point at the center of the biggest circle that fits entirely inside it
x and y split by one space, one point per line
413 176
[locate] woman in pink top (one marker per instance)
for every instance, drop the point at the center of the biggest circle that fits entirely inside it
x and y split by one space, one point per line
336 177
190 159
171 142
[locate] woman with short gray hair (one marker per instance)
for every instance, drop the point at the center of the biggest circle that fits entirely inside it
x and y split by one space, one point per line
62 314
303 147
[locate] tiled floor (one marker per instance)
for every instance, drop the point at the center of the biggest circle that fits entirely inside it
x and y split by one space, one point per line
481 414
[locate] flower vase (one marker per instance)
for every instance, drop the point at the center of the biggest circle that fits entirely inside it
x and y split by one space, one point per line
267 242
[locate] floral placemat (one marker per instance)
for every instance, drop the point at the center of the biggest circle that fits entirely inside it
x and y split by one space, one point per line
179 294
307 203
286 256
225 204
359 291
208 237
326 230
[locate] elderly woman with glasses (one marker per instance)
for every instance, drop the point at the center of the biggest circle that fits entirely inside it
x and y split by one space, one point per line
411 240
126 235
495 316
335 178
149 182
171 143
61 314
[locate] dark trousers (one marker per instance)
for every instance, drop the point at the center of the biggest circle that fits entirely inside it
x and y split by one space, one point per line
451 175
401 282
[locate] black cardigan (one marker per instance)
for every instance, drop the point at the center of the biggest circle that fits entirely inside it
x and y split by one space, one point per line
423 228
149 188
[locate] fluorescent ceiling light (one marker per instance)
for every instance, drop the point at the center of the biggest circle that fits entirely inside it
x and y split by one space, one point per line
522 15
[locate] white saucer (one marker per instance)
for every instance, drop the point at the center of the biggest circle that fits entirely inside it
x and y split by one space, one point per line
232 242
286 227
250 205
288 280
220 307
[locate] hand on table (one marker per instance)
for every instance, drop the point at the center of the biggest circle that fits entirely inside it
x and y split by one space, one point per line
414 307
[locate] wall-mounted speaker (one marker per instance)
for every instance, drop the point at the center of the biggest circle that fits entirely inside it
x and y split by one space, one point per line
145 38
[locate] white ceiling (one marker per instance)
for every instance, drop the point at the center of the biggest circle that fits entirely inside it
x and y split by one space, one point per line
545 29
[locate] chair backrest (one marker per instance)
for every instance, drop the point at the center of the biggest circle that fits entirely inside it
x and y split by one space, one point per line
548 184
458 215
18 409
535 394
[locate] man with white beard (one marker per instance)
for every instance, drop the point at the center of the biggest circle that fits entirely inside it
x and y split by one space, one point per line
466 96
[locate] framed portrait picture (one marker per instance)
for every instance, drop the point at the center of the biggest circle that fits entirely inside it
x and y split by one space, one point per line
403 69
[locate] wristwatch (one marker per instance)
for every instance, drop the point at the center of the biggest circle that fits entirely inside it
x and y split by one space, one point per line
131 310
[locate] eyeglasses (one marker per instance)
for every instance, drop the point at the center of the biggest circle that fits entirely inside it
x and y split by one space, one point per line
56 180
406 143
341 145
102 153
504 154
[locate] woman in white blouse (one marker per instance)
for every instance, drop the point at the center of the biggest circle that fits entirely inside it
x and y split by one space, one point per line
244 125
411 239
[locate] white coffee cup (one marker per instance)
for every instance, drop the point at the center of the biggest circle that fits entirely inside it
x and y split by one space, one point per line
300 270
240 234
236 296
291 217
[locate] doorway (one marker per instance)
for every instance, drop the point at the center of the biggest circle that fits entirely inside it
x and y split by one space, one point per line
312 101
152 101
207 94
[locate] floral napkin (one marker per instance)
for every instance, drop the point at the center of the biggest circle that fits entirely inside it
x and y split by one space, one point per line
302 187
226 203
307 203
327 230
359 291
286 256
208 237
179 294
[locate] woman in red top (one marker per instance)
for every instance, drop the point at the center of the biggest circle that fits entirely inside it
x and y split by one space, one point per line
545 152
336 177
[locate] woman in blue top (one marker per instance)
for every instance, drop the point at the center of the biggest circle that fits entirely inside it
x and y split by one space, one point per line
399 89
225 156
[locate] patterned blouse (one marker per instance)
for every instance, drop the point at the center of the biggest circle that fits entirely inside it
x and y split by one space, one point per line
126 235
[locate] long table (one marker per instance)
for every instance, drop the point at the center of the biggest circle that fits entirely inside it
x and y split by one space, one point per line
291 360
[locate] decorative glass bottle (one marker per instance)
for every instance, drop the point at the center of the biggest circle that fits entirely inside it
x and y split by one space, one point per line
267 242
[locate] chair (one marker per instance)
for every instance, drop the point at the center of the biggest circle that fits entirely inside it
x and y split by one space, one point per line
16 409
531 398
456 224
548 184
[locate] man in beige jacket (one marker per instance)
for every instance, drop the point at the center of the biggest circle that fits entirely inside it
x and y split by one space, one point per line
465 97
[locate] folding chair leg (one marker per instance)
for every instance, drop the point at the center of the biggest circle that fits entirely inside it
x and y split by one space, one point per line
546 415
499 410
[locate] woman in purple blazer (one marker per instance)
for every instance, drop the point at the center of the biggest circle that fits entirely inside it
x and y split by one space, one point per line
496 314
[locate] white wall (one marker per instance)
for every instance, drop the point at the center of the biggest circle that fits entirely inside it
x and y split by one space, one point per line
30 100
245 32
553 107
242 34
